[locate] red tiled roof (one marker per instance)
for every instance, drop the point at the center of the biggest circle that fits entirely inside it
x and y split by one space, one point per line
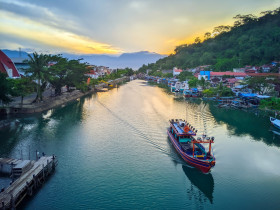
6 62
228 73
263 74
178 70
232 80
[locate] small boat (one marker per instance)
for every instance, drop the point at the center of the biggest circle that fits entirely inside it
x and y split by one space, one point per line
191 93
191 150
187 93
275 122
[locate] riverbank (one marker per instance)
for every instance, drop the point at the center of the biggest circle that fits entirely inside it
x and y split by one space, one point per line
50 101
267 111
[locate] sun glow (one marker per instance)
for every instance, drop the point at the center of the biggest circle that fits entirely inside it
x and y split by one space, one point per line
13 25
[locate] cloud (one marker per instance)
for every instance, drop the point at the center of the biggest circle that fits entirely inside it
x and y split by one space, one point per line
114 26
38 14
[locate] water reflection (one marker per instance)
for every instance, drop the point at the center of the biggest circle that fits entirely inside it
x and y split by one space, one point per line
47 126
241 123
204 184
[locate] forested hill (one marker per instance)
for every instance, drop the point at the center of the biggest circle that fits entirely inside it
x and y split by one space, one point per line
251 40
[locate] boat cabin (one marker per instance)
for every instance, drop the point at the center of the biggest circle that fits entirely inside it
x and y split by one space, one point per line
184 134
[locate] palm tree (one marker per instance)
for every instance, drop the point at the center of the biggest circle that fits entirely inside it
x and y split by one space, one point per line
37 68
203 83
220 88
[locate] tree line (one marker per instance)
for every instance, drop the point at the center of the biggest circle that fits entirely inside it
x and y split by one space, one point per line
54 71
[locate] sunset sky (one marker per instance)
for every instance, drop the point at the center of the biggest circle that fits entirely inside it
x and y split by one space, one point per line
115 26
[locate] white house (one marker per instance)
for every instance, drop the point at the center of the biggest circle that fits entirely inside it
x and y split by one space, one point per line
176 71
92 74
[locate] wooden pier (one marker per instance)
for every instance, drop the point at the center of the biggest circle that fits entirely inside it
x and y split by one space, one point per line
31 175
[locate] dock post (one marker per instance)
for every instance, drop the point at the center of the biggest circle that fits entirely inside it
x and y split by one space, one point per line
53 163
35 181
13 176
12 202
43 172
47 167
3 205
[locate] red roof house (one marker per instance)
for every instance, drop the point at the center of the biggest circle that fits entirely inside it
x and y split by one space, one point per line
7 66
228 73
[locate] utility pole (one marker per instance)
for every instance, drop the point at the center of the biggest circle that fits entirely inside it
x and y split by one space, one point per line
239 59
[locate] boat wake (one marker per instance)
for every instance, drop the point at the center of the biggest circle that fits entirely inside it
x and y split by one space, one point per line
144 136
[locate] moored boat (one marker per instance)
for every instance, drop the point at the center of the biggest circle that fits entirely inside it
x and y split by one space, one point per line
188 93
275 122
190 149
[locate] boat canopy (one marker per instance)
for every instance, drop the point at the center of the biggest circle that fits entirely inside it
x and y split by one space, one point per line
194 89
262 96
247 95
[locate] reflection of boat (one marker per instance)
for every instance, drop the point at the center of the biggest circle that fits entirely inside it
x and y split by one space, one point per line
275 122
191 150
204 182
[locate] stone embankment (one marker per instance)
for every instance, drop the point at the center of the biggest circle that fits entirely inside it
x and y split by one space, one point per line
51 102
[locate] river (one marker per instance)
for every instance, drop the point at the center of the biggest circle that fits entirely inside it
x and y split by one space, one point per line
114 153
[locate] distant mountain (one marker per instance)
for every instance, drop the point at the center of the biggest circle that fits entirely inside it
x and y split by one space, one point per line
131 60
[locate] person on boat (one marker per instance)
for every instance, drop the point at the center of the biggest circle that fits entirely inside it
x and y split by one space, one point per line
203 136
186 129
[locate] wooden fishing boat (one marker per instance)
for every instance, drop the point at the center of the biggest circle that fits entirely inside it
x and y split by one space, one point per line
181 134
275 122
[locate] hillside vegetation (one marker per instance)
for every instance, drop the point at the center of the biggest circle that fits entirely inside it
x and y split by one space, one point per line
251 40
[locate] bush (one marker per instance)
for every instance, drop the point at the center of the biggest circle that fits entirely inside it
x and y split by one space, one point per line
270 103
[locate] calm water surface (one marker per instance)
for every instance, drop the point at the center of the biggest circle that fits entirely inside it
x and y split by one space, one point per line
114 153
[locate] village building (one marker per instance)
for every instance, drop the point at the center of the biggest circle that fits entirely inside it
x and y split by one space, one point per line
92 74
176 71
204 74
98 71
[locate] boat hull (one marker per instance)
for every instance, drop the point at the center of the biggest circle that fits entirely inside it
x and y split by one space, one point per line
204 166
275 122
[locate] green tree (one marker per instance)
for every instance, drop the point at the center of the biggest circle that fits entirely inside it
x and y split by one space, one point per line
203 83
76 74
209 92
193 82
259 85
225 64
183 76
197 40
5 89
58 73
23 87
207 35
38 70
168 75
